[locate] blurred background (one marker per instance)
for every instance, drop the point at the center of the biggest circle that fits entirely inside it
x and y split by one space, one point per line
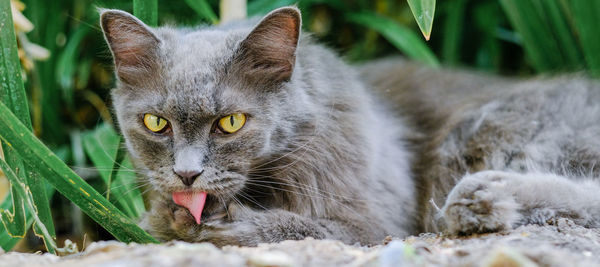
68 69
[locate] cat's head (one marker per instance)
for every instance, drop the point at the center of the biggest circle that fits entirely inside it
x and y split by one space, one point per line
199 108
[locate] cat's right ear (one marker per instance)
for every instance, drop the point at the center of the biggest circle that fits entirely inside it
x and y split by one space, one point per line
133 45
269 51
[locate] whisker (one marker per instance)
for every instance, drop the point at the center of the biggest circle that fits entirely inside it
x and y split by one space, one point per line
305 187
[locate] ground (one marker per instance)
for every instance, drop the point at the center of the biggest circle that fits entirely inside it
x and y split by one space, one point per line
559 244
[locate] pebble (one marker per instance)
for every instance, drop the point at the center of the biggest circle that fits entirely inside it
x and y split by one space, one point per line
271 258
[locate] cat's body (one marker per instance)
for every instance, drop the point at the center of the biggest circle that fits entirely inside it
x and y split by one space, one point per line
320 155
540 135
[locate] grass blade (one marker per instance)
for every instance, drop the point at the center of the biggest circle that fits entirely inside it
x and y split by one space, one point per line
555 18
423 11
102 147
8 241
12 92
585 15
69 184
203 10
45 88
400 36
262 7
546 34
147 11
535 38
23 192
453 27
67 63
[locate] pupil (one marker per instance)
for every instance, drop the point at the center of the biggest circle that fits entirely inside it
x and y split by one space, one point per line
231 120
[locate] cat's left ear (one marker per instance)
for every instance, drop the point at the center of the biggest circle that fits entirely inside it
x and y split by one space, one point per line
269 51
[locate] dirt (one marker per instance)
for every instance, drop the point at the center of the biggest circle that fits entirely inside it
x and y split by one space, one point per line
559 244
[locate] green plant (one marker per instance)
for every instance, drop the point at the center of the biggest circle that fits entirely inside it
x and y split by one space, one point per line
146 10
33 152
13 93
23 152
401 37
557 35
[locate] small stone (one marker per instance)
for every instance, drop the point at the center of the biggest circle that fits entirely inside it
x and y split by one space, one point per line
387 240
104 247
270 258
506 257
395 254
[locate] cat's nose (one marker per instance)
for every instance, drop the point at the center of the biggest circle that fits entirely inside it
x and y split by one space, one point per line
188 176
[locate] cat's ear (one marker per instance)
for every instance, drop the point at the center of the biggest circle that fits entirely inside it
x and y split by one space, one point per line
269 51
132 43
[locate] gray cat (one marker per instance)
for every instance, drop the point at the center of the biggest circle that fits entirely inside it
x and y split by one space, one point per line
250 132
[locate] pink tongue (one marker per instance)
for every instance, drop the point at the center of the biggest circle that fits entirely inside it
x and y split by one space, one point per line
193 201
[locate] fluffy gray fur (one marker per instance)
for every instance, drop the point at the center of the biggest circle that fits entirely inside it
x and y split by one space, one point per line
498 152
321 155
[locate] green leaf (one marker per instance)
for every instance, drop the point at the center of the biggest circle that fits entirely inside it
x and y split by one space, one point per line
423 11
453 27
7 239
12 93
48 28
23 192
262 7
146 11
400 36
545 29
557 19
203 10
585 14
66 66
69 184
13 215
102 147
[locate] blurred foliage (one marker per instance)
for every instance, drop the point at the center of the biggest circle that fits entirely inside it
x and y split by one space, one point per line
69 92
27 191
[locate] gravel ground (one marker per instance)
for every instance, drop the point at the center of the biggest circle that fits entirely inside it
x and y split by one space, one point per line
560 244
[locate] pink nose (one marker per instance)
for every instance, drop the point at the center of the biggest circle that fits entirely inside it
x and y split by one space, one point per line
188 176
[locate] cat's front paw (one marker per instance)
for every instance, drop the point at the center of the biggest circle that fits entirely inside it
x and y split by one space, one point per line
481 202
242 228
249 227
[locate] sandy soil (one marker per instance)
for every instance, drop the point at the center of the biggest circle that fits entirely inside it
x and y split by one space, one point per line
560 244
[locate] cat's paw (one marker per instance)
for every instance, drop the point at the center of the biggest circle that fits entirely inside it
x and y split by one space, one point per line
249 227
182 222
482 202
243 227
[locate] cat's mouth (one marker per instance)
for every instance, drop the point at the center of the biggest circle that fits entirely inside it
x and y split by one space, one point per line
194 201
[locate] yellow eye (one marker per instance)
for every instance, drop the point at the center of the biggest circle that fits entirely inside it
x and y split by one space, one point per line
232 123
155 123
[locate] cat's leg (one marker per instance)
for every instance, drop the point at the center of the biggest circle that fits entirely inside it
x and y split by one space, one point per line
250 227
495 200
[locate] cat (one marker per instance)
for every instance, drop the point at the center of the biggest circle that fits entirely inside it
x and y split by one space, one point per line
250 132
317 156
